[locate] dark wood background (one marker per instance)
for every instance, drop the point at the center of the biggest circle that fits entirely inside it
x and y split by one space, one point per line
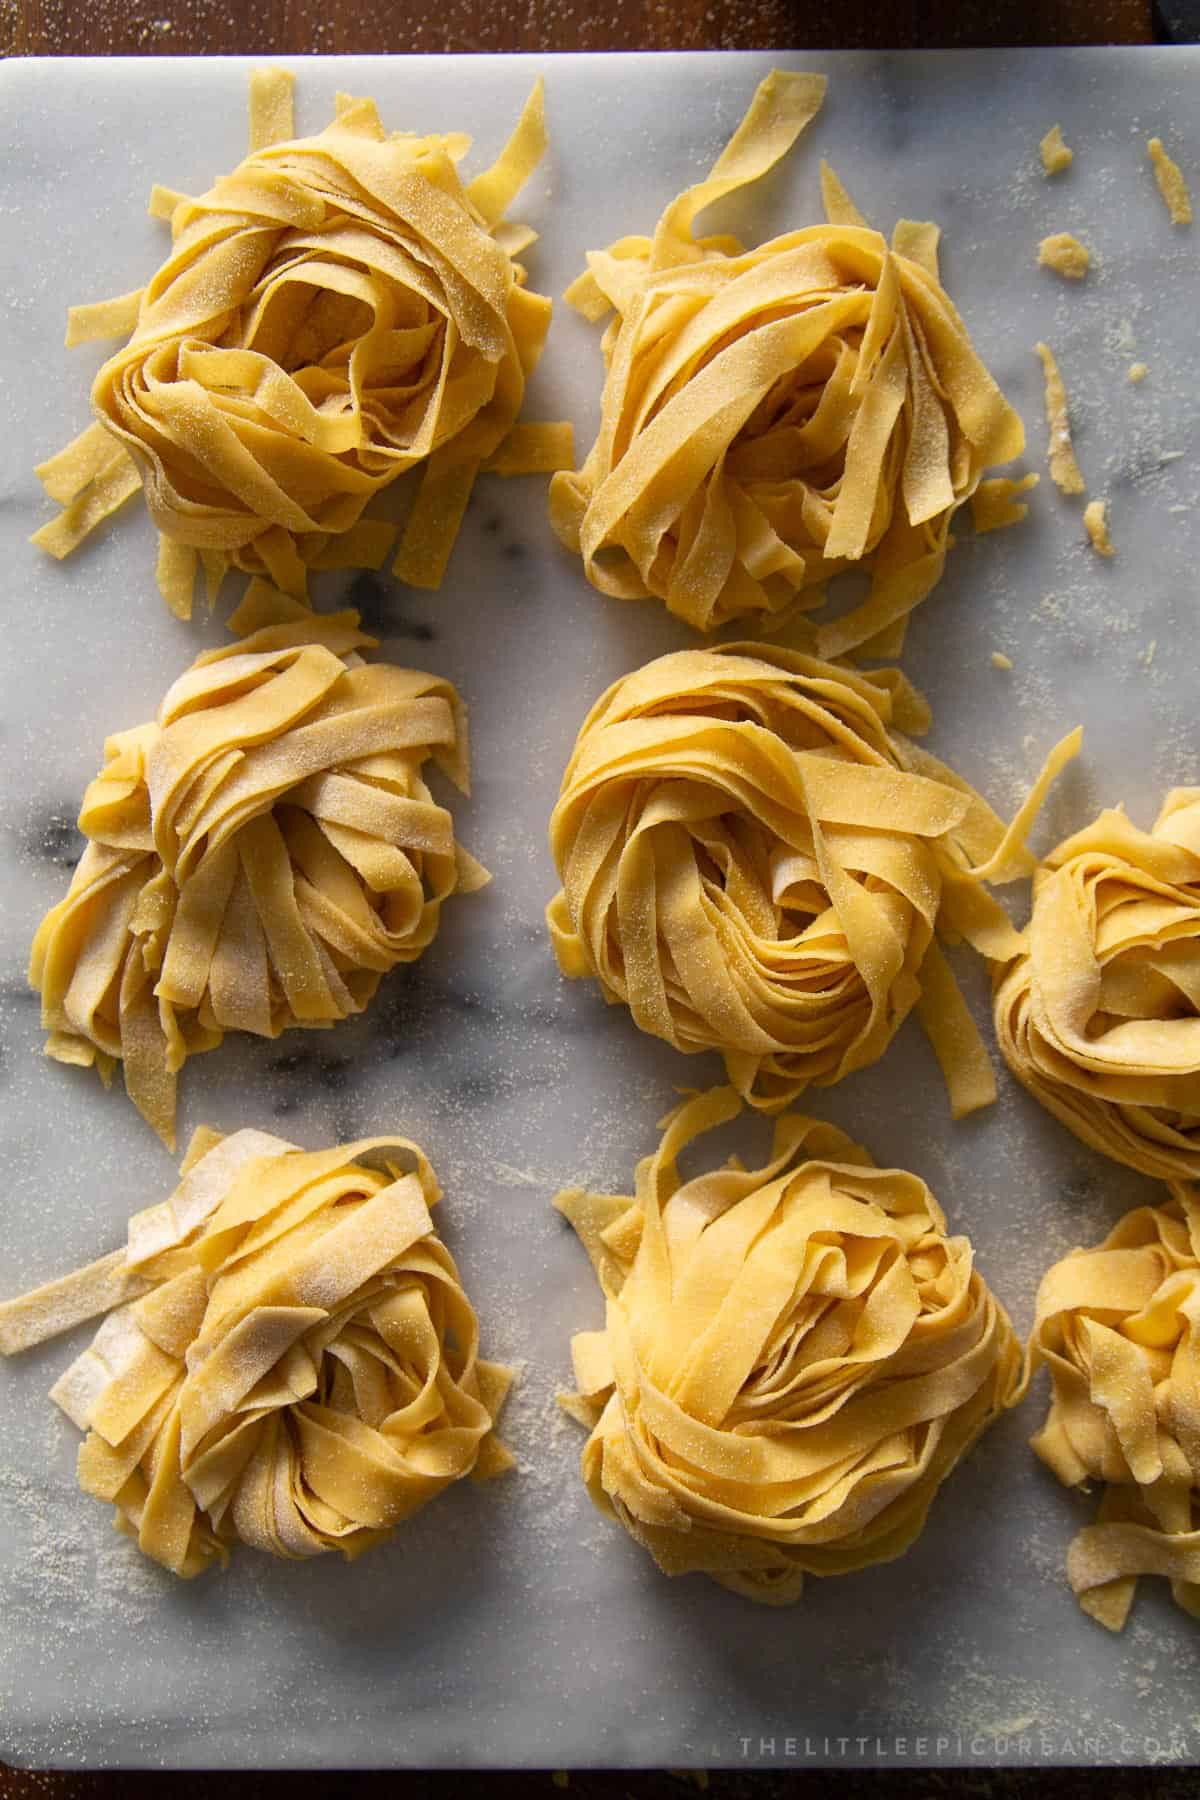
265 27
208 27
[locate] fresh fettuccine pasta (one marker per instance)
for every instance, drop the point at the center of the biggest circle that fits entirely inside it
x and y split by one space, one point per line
1099 1013
793 1360
755 862
1119 1329
258 857
772 417
289 1358
338 310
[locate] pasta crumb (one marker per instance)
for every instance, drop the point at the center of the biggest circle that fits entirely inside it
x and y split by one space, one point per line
1056 154
1065 255
1096 524
1171 185
1138 371
994 503
1000 661
1060 451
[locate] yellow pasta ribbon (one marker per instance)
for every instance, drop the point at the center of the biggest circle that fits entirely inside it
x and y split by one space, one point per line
754 862
1118 1327
299 1370
335 312
772 417
793 1359
258 857
1099 1013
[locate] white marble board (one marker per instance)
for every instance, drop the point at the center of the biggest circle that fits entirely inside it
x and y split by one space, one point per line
510 1625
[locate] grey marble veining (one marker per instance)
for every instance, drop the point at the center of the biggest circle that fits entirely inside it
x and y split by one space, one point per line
509 1624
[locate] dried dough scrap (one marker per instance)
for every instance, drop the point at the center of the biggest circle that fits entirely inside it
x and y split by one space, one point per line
1056 153
336 311
1095 519
772 417
291 1361
1099 1014
1060 451
259 857
1119 1328
794 1358
754 863
995 503
1171 184
1065 255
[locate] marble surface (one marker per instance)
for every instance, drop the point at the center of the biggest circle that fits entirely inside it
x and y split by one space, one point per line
510 1625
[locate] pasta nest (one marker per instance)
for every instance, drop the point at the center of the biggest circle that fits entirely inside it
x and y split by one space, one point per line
1118 1326
289 1358
794 1357
1099 1014
336 311
259 857
773 417
754 862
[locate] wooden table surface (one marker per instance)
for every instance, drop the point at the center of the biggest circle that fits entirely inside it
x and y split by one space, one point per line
255 27
263 27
